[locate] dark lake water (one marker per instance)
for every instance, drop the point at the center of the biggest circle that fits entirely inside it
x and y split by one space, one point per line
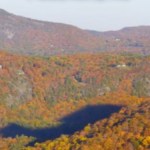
70 124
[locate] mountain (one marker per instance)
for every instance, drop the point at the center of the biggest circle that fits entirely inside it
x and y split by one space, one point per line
28 36
32 37
129 39
83 101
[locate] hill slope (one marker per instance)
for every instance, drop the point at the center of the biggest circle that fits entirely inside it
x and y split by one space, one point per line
33 37
130 39
27 36
47 97
128 129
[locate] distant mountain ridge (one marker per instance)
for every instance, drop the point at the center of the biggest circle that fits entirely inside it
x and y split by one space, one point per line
33 37
129 39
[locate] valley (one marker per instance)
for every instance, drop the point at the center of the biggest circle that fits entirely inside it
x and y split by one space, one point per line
65 88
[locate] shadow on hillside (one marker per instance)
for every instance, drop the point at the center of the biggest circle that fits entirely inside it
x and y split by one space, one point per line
70 124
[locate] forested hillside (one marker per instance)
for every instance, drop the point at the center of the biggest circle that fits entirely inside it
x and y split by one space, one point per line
42 98
129 129
32 37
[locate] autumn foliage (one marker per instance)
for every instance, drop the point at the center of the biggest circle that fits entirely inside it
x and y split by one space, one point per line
36 92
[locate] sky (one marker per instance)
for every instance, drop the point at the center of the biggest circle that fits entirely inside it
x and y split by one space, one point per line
100 15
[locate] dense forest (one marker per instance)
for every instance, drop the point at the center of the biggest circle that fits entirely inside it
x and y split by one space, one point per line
75 102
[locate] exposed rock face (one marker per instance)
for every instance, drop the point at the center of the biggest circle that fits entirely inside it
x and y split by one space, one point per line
141 86
21 91
103 90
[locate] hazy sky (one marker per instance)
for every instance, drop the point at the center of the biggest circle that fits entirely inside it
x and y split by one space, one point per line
99 15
